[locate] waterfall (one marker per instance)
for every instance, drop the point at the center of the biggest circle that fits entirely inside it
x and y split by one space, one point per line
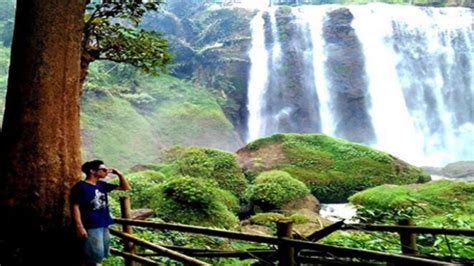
414 68
276 49
397 78
314 16
393 124
258 77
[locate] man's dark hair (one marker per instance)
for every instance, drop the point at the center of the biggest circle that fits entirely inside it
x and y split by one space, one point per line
91 165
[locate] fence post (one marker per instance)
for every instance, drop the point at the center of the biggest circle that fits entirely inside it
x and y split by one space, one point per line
286 254
408 240
129 247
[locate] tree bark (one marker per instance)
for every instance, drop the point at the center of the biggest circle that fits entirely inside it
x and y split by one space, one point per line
40 138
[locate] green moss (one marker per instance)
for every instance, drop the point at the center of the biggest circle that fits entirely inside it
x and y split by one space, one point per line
333 168
299 218
217 165
434 198
274 189
267 218
385 196
445 195
192 201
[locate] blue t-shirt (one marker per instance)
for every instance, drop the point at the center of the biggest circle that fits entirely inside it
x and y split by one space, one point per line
93 203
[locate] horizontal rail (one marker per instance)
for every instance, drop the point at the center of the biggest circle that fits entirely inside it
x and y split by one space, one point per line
224 254
409 229
157 248
135 257
336 250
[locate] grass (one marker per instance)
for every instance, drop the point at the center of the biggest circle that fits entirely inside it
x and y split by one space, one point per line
335 168
438 197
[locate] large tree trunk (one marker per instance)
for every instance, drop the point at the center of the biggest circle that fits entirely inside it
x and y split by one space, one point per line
40 142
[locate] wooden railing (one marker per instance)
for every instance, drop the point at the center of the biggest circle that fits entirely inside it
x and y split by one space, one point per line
290 249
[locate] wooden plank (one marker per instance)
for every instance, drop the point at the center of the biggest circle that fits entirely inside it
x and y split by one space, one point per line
224 254
135 257
409 229
335 250
164 251
195 252
320 234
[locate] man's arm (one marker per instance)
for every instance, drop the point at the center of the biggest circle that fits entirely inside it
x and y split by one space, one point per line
76 215
123 185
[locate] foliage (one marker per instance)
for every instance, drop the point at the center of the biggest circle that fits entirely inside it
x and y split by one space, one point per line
386 242
333 168
114 77
117 108
274 189
141 184
438 204
213 164
437 197
299 218
192 201
210 47
439 245
267 218
108 36
114 131
458 246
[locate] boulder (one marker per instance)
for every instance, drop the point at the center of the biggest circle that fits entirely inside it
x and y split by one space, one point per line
462 169
309 203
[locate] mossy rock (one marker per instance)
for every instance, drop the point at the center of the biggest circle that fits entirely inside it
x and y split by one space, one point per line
273 189
433 198
195 201
212 164
332 168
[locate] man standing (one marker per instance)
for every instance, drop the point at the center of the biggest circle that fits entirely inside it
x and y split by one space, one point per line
90 210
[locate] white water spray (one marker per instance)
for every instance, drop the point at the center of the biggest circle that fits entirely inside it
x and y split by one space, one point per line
258 77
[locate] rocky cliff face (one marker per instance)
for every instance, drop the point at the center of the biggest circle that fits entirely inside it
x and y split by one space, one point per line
346 73
210 48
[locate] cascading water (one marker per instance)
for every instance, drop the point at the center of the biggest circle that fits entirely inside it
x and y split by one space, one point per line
417 59
313 17
394 127
399 78
258 77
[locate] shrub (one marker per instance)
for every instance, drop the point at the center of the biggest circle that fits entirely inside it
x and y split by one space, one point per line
274 189
193 201
212 164
387 203
141 184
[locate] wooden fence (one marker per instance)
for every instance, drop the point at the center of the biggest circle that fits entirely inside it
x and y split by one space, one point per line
290 250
